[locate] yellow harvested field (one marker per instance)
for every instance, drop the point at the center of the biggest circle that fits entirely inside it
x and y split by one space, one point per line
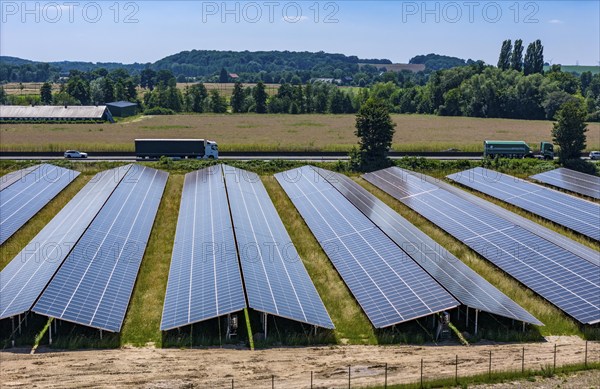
251 132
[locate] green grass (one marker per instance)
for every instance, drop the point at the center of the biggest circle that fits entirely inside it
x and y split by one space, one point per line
165 127
498 377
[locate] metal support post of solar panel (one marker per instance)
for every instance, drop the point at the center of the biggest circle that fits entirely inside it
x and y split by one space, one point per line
94 285
389 286
572 181
564 279
26 192
275 278
572 212
204 278
461 281
25 277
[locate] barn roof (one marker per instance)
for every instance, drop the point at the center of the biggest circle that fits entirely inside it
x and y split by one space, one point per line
51 111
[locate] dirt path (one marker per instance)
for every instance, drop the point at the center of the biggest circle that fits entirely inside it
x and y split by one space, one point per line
157 368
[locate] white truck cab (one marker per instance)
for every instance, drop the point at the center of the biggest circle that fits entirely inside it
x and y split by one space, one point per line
211 150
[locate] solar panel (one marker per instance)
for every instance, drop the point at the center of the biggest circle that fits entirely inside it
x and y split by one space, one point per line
275 278
25 277
94 284
561 277
21 200
457 278
204 279
389 286
571 180
575 213
12 177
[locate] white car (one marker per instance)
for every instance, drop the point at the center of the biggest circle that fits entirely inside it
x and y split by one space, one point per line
75 154
595 155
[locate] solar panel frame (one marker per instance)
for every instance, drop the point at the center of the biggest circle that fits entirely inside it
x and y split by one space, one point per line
24 198
204 282
389 287
572 212
275 278
530 259
571 180
26 276
94 284
461 281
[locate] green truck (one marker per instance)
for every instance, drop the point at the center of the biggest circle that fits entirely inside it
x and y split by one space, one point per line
516 149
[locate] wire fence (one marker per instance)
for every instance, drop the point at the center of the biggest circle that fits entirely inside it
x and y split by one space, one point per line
421 367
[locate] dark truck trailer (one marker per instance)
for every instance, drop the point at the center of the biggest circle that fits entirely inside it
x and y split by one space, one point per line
176 148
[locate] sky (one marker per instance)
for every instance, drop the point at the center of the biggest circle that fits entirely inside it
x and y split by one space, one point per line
145 31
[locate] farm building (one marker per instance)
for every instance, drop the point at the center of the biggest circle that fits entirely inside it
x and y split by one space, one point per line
122 108
46 113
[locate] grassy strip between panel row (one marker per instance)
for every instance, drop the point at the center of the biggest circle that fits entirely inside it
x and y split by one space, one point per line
497 377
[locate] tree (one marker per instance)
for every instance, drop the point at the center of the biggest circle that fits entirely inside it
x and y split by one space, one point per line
505 55
78 88
534 58
516 61
195 97
223 76
218 104
147 78
569 131
260 98
46 93
237 98
375 128
2 95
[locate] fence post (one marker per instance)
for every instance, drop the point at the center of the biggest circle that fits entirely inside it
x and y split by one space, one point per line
586 348
385 381
421 372
232 383
523 361
272 381
554 356
456 371
490 366
349 376
311 380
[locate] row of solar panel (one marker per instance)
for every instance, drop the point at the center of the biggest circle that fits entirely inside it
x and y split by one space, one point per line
395 272
226 212
25 192
572 212
556 273
82 266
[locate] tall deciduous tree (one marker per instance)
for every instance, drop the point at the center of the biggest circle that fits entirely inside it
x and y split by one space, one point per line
375 129
237 98
260 98
534 58
46 93
569 131
505 55
516 61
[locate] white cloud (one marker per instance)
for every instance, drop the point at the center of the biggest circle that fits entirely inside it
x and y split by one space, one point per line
295 19
555 21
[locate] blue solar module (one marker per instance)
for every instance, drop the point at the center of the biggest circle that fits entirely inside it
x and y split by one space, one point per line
558 275
571 180
275 278
25 277
389 286
12 177
94 284
204 280
21 200
575 213
461 281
